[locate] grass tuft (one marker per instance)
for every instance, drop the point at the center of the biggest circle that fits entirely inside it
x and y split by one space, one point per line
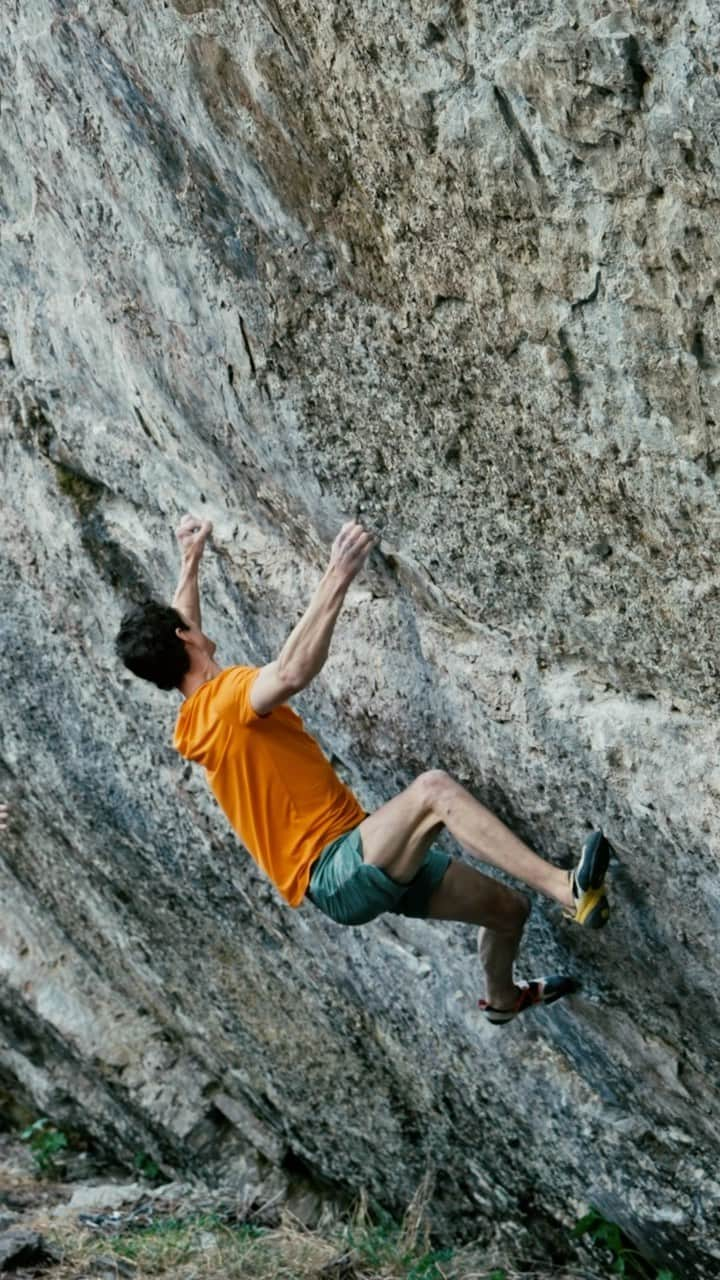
370 1246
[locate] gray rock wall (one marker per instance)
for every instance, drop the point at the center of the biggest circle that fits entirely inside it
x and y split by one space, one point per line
452 268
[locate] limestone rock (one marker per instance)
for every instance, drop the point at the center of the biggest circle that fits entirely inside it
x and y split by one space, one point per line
112 1268
25 1249
105 1196
452 268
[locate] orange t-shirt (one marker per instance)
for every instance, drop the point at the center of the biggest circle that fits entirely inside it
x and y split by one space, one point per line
269 776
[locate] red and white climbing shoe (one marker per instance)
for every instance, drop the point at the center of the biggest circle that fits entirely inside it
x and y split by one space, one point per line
538 991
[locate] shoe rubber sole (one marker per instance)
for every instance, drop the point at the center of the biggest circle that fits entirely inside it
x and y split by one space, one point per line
594 859
592 910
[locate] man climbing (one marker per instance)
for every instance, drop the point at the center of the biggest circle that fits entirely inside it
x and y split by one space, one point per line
305 828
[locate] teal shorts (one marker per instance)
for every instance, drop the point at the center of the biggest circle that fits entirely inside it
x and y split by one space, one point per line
351 891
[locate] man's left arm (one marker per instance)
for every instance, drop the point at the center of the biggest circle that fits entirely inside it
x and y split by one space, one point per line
306 649
192 534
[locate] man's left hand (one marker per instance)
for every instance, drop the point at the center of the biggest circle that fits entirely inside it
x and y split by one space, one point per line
192 533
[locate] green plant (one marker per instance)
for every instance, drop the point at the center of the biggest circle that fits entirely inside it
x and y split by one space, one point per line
45 1141
387 1244
374 1243
427 1267
146 1166
626 1261
167 1234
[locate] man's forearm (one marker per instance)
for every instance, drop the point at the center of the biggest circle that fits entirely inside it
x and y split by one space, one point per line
187 596
306 648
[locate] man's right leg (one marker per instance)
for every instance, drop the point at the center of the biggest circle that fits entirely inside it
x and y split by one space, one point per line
397 836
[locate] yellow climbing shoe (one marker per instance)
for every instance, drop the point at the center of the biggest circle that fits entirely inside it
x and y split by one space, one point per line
587 881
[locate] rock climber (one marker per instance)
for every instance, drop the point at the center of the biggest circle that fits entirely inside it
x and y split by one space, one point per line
305 828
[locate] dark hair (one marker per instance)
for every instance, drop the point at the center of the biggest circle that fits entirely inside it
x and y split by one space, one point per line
147 644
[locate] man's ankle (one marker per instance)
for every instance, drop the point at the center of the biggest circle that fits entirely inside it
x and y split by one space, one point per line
502 997
565 890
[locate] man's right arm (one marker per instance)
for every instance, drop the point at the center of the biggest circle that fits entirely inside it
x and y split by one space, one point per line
306 649
192 533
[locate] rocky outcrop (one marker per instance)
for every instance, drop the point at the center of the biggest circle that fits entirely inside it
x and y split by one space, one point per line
453 269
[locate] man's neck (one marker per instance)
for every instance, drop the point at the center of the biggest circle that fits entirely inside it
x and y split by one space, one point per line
194 680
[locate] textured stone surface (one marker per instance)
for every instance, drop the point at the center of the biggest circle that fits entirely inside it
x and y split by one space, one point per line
25 1249
454 268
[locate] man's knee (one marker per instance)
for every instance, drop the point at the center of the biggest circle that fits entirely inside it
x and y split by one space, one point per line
510 910
433 788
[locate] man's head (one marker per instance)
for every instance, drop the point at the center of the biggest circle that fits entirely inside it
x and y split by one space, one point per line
156 643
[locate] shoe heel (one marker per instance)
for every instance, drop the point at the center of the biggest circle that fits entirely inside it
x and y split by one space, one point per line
599 916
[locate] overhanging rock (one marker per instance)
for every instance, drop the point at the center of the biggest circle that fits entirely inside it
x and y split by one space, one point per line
453 271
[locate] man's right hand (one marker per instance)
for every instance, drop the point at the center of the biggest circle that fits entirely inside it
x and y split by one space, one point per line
350 550
192 533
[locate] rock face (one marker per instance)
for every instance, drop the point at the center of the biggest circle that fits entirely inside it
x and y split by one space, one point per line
453 268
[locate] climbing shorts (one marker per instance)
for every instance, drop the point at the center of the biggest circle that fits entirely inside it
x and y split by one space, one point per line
351 891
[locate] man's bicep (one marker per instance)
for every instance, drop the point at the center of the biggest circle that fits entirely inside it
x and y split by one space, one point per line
270 689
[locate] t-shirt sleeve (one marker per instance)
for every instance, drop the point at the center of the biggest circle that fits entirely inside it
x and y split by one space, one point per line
236 700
